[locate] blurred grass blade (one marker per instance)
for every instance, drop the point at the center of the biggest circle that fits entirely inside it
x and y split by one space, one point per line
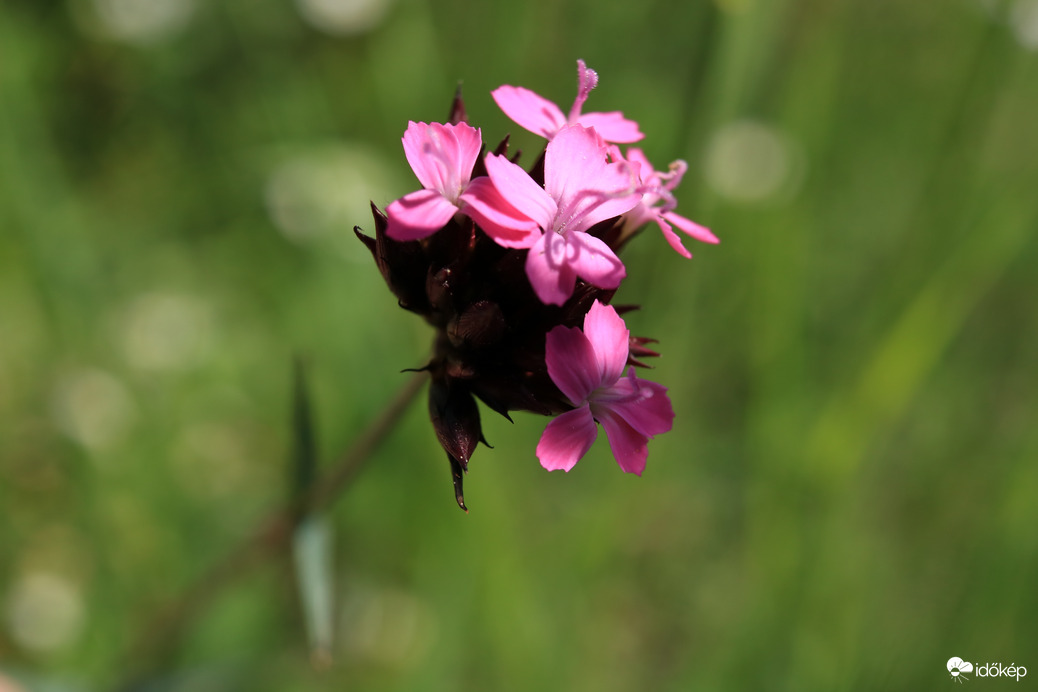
312 550
311 541
304 454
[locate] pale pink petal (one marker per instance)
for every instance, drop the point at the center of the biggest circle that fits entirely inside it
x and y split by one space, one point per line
640 215
610 339
692 228
566 439
672 238
521 191
643 404
571 363
636 156
551 277
418 215
574 161
470 143
612 126
586 187
529 110
592 260
630 448
442 155
506 225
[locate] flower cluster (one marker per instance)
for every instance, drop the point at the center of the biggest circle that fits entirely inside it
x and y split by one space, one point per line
515 269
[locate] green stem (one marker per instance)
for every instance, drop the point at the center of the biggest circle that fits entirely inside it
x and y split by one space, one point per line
271 537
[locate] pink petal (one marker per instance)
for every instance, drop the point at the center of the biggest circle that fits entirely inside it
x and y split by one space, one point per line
612 126
551 277
572 364
630 448
506 225
644 405
593 260
672 238
692 228
529 110
610 338
418 215
566 439
442 155
586 188
521 191
636 156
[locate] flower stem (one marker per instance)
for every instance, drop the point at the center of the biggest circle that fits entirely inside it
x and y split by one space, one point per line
270 537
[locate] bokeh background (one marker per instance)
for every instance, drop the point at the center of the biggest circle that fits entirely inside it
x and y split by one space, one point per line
850 494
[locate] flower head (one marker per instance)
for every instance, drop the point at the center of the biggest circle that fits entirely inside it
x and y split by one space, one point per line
442 157
657 202
588 368
542 117
506 265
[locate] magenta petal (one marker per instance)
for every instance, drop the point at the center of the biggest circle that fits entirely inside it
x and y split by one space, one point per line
643 404
566 439
610 339
418 215
612 127
529 110
521 191
551 277
572 364
692 228
630 448
506 225
592 260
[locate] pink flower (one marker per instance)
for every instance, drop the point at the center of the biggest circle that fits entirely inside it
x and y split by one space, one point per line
580 189
658 202
540 116
442 157
588 368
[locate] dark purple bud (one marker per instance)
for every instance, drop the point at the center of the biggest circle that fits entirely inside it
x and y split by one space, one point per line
480 168
537 170
438 289
611 233
457 114
455 418
481 324
402 264
584 296
531 391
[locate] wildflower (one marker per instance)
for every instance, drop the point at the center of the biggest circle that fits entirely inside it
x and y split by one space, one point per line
657 203
542 117
442 157
581 189
588 368
506 265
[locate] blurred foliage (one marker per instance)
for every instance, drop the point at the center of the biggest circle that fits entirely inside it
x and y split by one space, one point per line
849 497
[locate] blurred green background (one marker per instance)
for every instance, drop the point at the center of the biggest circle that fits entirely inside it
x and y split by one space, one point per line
850 494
